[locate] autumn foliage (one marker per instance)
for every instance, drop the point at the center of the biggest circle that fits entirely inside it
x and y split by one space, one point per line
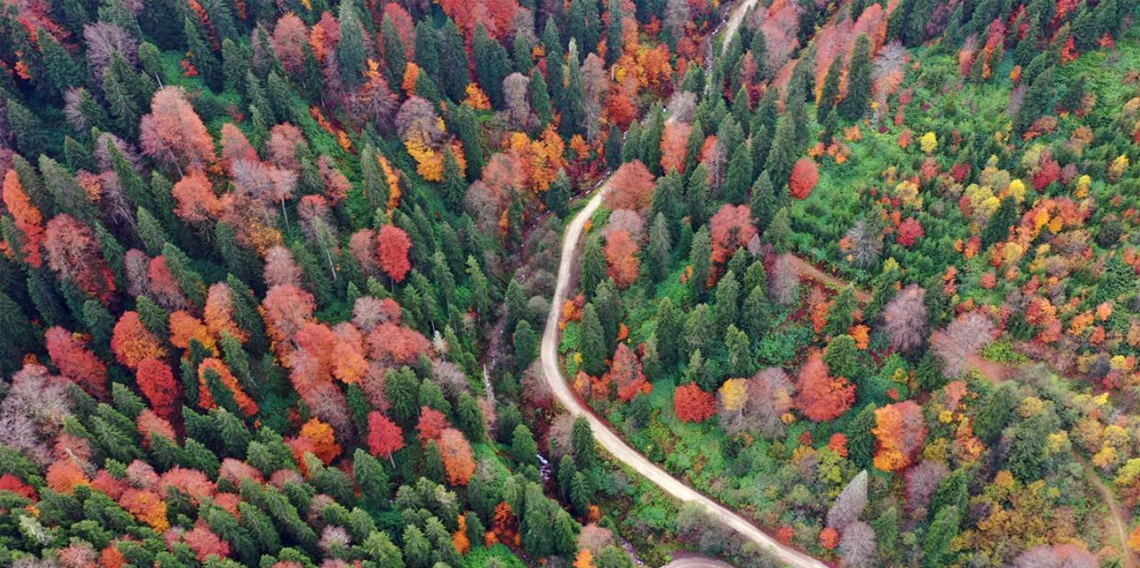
822 397
691 404
805 174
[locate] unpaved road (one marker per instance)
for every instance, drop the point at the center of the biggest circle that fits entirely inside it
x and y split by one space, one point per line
607 437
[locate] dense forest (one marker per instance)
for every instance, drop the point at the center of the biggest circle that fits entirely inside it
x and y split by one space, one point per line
274 276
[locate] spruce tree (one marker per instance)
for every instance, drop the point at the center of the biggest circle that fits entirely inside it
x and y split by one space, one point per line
492 65
28 129
739 176
699 256
201 55
539 96
594 266
453 61
395 57
592 342
350 52
782 156
830 92
854 105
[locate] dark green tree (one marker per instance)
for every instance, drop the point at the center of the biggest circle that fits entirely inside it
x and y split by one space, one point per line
854 105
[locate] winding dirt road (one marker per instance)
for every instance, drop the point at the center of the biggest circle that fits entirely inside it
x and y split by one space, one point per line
607 437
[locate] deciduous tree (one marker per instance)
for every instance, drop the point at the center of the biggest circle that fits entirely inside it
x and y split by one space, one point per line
820 396
691 404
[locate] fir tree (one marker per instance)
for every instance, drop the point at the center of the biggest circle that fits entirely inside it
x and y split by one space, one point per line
350 52
854 104
593 344
492 65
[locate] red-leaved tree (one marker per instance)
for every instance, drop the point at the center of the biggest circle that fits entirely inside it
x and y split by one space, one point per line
173 132
621 254
132 341
76 361
691 404
392 244
822 397
28 219
626 374
631 187
730 228
458 461
384 437
73 252
910 230
805 174
158 384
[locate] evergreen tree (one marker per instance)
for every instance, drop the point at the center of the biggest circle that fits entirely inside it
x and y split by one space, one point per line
394 55
525 342
454 182
660 248
492 65
854 105
582 444
552 44
28 129
936 543
573 103
523 447
782 156
997 228
840 317
350 52
558 196
614 33
467 128
860 440
201 55
886 531
739 177
841 356
427 49
593 343
699 260
539 96
62 71
453 61
830 92
594 267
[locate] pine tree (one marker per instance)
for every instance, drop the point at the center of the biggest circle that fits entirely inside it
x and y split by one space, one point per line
699 256
997 228
860 440
593 343
936 543
594 267
520 52
739 177
350 52
427 49
27 128
660 247
840 316
830 92
854 104
467 128
555 56
492 65
394 55
841 357
783 153
572 104
887 530
525 342
201 55
454 183
62 71
582 444
539 95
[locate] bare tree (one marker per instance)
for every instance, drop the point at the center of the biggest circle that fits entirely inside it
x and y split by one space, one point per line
857 545
769 398
849 504
905 318
515 92
960 341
